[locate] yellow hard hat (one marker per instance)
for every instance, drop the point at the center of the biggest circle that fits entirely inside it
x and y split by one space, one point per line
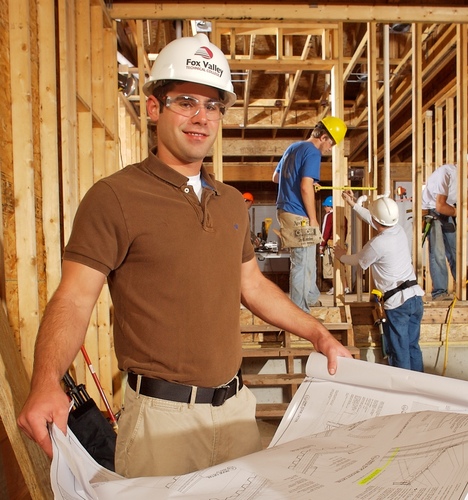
336 127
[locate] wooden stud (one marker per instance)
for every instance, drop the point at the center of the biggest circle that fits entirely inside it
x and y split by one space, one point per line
141 78
68 112
49 147
14 388
418 151
462 154
450 130
23 168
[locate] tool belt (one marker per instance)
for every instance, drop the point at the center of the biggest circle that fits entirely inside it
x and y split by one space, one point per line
403 286
448 223
296 232
170 391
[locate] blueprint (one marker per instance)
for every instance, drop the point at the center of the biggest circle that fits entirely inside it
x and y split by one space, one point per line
361 390
359 449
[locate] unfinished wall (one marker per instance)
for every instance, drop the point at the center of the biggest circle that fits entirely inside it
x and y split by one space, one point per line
64 125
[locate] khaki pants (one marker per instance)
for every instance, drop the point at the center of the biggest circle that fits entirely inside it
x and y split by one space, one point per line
327 263
162 438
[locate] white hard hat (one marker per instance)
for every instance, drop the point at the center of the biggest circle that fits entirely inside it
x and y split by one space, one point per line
193 59
385 211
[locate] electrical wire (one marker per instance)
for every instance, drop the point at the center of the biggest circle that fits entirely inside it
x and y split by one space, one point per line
449 321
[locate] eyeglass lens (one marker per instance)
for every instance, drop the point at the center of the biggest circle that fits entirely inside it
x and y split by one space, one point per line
190 106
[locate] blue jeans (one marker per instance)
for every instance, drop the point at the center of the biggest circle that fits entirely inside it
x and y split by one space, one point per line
402 330
442 246
303 277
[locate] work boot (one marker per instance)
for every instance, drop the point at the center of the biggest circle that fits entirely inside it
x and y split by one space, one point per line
316 304
443 296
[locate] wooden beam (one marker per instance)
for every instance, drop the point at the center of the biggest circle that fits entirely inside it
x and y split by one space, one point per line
285 10
418 150
84 96
68 112
275 65
262 171
340 167
14 389
255 147
142 56
264 27
462 157
23 169
49 145
357 54
269 117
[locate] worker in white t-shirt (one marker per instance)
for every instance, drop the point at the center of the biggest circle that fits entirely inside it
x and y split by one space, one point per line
392 269
439 205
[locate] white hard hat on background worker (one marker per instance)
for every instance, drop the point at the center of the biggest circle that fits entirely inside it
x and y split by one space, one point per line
385 211
193 59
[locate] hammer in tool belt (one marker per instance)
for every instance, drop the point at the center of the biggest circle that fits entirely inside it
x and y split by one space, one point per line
428 220
378 314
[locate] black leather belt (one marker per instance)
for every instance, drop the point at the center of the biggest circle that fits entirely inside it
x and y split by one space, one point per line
406 284
170 391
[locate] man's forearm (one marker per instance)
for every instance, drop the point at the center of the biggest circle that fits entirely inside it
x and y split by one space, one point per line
272 305
447 210
308 198
349 260
59 340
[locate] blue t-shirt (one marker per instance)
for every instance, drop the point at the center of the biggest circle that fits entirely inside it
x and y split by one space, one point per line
301 159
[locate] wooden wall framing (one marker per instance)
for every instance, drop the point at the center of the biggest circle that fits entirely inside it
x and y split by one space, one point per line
64 126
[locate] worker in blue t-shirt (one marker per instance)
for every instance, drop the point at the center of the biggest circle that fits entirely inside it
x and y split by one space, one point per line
297 173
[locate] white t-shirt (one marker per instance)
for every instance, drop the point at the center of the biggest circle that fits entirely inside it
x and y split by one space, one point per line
195 182
389 255
444 181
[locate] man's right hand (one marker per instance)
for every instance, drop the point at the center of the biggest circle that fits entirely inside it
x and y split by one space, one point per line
44 406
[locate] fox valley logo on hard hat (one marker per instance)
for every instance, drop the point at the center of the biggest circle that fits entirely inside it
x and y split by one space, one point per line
207 66
205 52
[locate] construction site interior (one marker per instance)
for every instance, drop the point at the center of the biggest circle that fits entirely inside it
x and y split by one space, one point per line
73 112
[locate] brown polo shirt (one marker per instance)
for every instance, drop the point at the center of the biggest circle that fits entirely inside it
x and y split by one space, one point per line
173 266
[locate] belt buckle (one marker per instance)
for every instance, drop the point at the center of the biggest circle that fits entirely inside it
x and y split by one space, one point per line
220 395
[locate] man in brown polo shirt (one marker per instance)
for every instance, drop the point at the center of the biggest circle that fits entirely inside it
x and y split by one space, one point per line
174 246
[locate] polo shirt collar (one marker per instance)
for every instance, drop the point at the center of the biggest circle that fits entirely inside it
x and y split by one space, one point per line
168 174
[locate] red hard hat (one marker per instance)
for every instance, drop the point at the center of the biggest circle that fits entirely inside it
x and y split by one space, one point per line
248 196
